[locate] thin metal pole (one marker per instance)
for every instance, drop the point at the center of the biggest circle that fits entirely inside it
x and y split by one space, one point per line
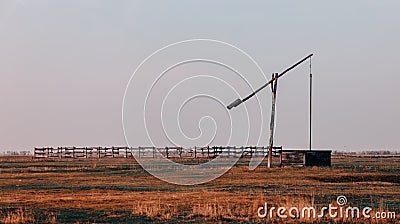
310 107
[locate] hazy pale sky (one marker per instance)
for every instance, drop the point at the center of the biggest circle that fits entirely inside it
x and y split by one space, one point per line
64 66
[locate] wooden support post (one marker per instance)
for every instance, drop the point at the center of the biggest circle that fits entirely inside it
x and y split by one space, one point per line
272 123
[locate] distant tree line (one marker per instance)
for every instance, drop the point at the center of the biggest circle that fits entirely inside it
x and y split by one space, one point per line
367 152
17 153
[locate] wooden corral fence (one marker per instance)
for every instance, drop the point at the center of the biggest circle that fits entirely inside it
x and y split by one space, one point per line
151 152
81 152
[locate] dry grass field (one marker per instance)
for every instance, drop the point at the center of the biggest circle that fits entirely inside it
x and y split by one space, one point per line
120 191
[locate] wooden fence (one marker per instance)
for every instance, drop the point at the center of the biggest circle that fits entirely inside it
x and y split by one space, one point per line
151 152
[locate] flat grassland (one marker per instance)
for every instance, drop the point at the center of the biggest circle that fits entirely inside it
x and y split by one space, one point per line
120 191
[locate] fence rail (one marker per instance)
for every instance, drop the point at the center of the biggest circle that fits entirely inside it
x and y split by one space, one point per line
151 152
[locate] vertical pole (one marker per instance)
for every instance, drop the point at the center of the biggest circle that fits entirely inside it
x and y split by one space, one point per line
272 123
310 137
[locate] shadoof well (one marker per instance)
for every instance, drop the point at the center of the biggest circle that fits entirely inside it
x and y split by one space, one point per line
290 157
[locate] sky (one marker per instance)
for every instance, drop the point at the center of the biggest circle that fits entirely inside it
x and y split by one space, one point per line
65 66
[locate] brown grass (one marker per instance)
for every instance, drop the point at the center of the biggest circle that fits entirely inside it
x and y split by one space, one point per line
18 216
110 187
